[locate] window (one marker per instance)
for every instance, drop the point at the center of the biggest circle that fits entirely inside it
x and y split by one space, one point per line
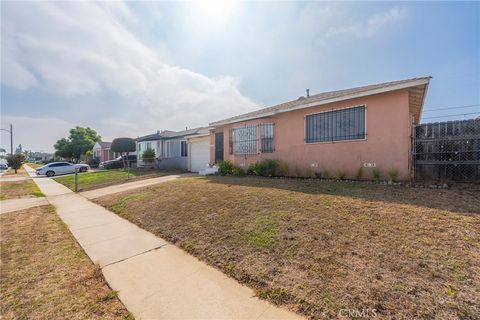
139 147
344 124
149 145
267 136
168 149
183 148
244 140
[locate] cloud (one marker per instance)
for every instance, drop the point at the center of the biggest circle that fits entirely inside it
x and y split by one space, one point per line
75 50
36 134
371 26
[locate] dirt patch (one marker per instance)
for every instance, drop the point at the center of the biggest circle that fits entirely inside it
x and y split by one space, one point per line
20 173
46 275
323 248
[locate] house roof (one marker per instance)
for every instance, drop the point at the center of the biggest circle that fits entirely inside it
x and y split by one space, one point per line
416 100
167 134
104 144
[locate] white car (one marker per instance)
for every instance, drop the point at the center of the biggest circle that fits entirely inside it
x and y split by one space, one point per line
56 168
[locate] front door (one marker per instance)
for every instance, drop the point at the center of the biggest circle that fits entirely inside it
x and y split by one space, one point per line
218 146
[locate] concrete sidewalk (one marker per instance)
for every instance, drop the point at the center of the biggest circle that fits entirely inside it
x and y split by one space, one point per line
20 204
155 280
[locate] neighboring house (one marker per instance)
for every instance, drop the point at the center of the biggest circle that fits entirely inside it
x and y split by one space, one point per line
101 151
171 149
339 131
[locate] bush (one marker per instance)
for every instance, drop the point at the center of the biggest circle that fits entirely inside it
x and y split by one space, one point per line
359 174
282 169
238 171
309 172
148 155
225 167
298 171
376 174
326 174
393 174
318 174
264 168
341 175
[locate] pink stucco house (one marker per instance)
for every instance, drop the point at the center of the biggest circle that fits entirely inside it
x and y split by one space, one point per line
340 131
101 151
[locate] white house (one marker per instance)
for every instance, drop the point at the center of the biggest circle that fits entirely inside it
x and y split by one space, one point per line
171 148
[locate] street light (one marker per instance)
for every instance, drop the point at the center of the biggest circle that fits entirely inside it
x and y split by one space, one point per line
11 138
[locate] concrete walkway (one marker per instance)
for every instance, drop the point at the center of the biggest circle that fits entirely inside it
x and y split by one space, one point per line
155 280
20 204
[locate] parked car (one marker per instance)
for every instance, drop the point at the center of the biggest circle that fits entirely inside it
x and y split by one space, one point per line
56 168
117 163
3 166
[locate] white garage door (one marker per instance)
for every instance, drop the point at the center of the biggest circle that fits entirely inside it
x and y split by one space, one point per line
199 154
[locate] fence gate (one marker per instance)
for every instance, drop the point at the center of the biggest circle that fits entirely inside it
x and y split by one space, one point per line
447 151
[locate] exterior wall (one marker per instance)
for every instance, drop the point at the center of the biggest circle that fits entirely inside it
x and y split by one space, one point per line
172 161
104 154
387 143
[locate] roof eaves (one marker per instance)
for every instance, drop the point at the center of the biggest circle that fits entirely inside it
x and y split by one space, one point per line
367 92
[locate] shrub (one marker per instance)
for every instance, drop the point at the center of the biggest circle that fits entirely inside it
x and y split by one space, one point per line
282 169
376 174
359 174
318 174
298 171
309 172
148 155
252 168
225 167
393 174
264 168
238 171
326 174
341 175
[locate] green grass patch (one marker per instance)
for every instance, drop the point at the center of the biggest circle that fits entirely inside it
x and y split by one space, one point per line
105 178
35 165
265 233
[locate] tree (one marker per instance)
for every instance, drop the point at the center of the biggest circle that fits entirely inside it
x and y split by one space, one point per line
78 142
15 161
123 145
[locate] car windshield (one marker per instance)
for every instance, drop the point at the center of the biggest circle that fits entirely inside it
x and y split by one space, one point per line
118 159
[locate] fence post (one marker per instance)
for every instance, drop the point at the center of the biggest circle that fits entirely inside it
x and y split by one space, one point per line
128 169
76 179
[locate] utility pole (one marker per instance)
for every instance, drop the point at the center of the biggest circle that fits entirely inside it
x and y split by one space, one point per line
11 138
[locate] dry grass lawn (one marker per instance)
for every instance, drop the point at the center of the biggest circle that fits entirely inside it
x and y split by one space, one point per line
46 275
321 247
20 173
19 189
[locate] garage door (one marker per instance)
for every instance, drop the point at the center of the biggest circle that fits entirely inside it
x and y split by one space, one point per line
199 154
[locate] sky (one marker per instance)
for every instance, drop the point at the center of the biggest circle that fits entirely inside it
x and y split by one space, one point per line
132 68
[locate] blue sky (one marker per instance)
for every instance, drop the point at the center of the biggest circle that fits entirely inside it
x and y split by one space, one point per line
128 69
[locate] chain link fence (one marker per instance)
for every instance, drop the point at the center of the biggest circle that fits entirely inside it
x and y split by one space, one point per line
447 151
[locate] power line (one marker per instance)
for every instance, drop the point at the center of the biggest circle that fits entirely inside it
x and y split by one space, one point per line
453 115
448 108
